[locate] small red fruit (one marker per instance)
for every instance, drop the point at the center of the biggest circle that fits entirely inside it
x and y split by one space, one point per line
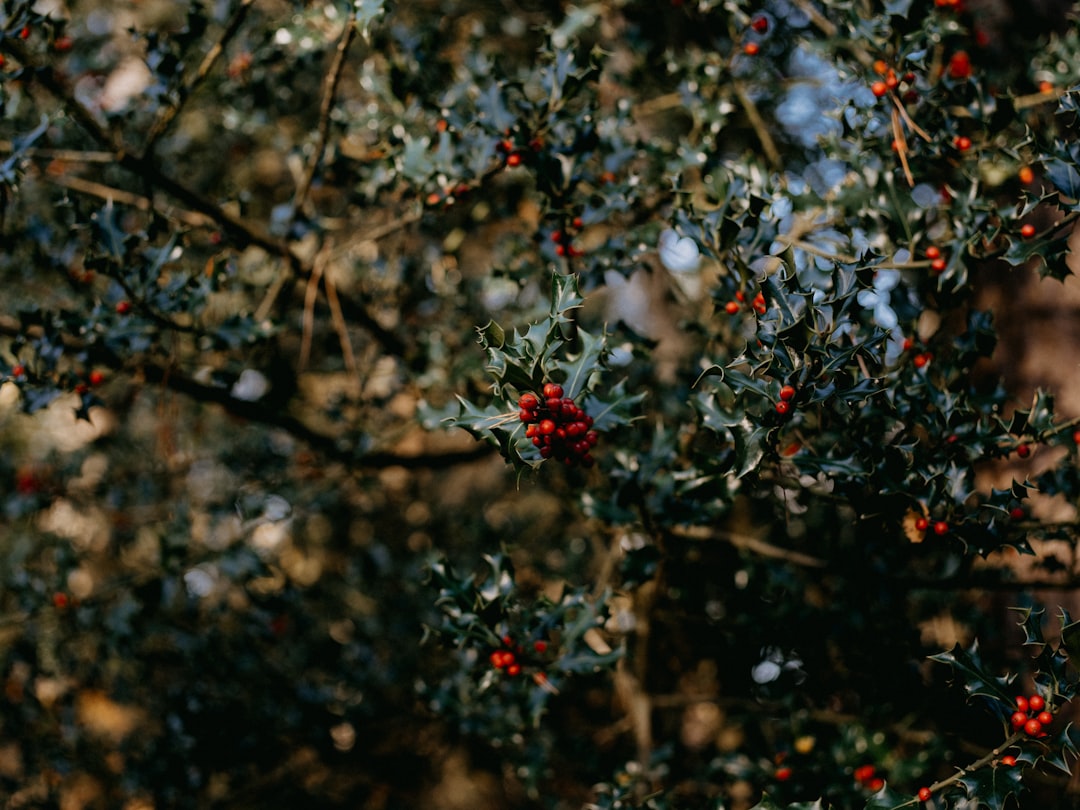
540 646
938 265
922 524
546 427
864 773
921 360
1023 451
1008 761
924 794
513 670
60 600
962 143
25 32
513 159
528 401
782 774
1033 728
760 24
880 67
941 528
1018 719
787 393
933 252
1016 513
552 391
1026 175
17 370
879 89
960 65
1027 230
63 44
876 784
96 377
123 307
1036 703
783 408
1045 718
1076 437
1021 703
731 307
751 49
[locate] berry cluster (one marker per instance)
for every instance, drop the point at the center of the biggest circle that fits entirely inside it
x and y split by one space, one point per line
563 239
1031 716
890 82
869 778
937 261
506 658
558 427
758 304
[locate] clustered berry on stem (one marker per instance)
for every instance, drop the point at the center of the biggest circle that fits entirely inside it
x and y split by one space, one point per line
558 427
1031 716
868 777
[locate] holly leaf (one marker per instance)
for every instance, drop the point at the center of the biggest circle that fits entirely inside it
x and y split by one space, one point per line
749 439
581 368
887 799
992 786
1066 179
976 680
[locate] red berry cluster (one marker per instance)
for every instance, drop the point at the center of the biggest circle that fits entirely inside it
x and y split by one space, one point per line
516 155
937 261
563 239
506 658
1031 716
758 304
891 82
558 427
868 777
960 65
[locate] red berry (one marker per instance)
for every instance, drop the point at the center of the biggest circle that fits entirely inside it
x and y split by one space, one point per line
1016 513
922 524
787 393
578 222
1027 230
1018 719
941 527
921 360
879 89
933 252
1023 451
513 670
1026 175
528 401
924 794
513 159
751 48
1021 703
783 408
60 600
876 784
1033 728
25 32
552 391
1076 437
908 344
938 265
63 44
962 143
891 81
546 427
540 646
760 24
782 774
960 65
1036 703
1008 761
864 773
731 307
1045 718
96 377
17 370
123 307
556 236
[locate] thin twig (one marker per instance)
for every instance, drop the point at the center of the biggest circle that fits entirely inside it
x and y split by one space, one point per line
342 330
768 145
329 91
311 293
136 201
901 147
66 155
168 112
754 544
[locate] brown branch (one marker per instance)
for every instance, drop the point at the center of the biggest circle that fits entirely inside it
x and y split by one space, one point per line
167 113
136 201
329 91
66 155
754 544
768 145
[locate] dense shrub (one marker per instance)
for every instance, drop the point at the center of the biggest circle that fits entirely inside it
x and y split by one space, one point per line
754 480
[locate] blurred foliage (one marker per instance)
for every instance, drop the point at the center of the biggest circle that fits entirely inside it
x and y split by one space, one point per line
261 260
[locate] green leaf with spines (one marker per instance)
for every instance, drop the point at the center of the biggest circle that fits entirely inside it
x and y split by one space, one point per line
992 786
974 678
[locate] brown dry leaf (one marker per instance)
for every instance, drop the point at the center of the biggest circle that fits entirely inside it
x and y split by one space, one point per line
913 534
105 717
